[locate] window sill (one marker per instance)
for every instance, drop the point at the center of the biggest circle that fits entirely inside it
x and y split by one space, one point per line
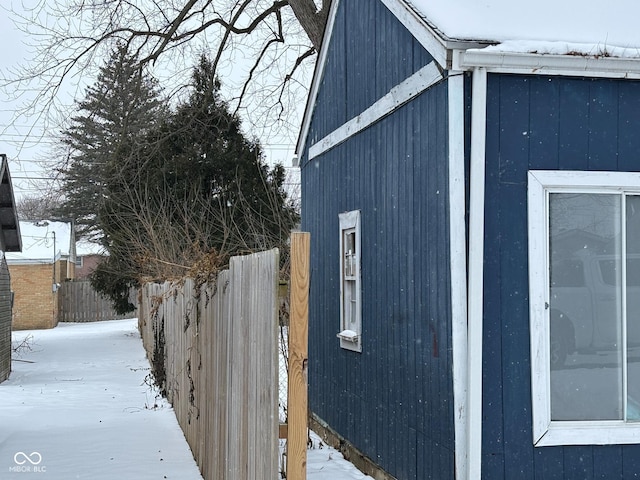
350 340
590 433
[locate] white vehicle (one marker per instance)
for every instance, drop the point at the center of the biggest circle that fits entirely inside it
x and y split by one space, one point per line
586 304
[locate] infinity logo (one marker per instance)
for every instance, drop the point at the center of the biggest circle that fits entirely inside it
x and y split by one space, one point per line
34 459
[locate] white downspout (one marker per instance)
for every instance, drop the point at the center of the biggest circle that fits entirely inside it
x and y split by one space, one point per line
476 270
458 259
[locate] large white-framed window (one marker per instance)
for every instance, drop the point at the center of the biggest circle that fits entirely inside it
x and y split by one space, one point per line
350 290
584 296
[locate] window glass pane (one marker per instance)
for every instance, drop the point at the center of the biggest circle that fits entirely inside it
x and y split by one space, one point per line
610 271
350 253
585 306
567 272
633 307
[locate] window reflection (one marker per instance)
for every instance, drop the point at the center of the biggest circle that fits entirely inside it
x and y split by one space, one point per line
586 324
633 306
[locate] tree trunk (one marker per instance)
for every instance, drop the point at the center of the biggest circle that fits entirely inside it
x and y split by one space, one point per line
312 20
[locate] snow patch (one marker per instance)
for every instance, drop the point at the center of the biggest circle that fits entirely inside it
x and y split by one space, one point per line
564 48
603 27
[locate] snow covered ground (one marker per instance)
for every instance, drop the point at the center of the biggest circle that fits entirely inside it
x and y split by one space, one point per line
326 463
79 405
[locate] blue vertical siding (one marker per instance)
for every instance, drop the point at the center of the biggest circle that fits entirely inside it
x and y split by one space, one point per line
536 122
370 52
393 401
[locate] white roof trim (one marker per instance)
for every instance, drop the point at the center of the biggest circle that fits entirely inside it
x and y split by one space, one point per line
437 46
544 64
420 29
317 78
466 55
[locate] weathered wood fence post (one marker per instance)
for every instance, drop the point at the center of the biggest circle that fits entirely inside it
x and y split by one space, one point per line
297 403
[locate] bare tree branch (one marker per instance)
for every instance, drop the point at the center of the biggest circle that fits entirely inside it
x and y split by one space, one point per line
258 45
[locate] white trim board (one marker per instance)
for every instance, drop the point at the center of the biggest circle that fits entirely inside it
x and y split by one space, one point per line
317 77
437 46
531 63
476 270
435 42
419 29
399 95
458 265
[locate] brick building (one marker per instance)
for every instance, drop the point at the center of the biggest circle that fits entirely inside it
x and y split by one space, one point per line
47 259
88 256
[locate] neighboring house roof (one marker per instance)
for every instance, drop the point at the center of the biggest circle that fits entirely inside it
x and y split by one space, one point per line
43 241
9 227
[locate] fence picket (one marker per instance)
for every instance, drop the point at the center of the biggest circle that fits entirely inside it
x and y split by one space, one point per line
221 364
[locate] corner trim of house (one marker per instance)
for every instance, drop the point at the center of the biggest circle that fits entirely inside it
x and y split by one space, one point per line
476 269
350 453
458 256
413 86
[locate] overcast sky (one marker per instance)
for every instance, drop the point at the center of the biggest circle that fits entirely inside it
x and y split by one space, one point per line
28 146
21 146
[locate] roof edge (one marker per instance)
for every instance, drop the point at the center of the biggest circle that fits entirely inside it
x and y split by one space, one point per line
434 41
552 64
5 178
316 79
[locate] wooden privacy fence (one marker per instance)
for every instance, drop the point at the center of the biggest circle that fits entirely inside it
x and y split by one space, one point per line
213 348
79 302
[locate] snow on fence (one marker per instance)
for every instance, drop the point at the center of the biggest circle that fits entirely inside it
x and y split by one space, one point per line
79 302
213 349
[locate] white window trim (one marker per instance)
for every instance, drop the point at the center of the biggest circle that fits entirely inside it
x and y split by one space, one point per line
545 431
351 220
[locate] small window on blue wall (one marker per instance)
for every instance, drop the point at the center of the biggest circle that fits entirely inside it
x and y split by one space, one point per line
584 268
350 297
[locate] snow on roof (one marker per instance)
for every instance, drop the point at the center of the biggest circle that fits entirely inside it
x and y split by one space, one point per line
560 26
40 239
85 247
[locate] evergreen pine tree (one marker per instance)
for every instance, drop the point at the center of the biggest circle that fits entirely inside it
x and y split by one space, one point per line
169 193
205 148
115 116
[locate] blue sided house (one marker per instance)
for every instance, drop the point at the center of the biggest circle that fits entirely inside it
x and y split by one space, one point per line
471 182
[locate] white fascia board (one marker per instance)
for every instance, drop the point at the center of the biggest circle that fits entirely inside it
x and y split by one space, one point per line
476 271
546 64
458 265
317 77
399 95
420 29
